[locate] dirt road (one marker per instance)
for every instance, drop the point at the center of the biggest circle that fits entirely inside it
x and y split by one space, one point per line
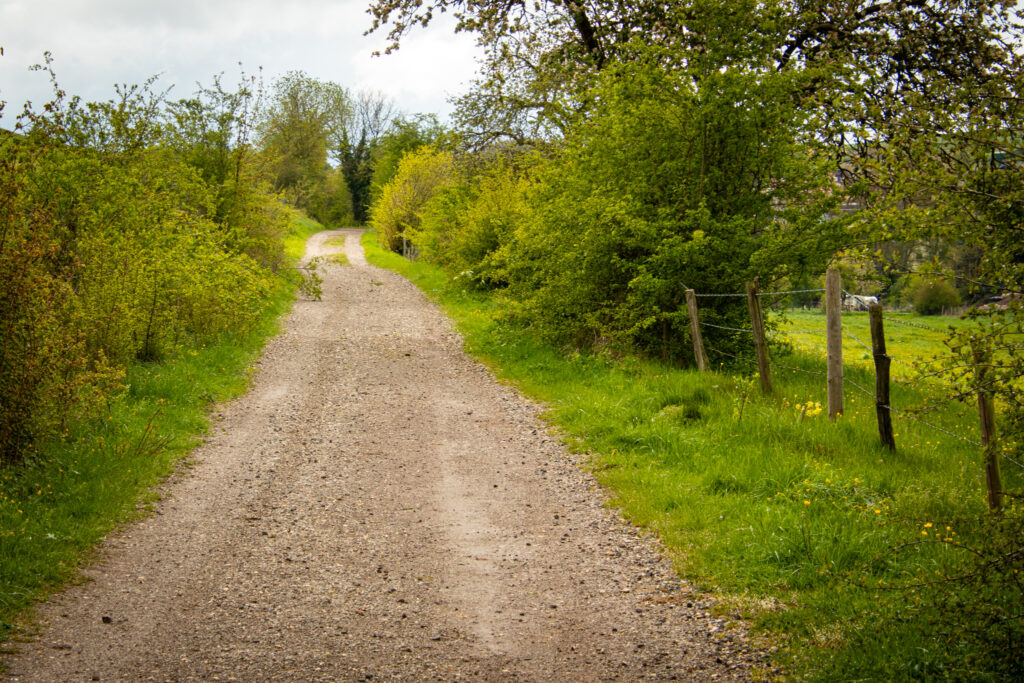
378 508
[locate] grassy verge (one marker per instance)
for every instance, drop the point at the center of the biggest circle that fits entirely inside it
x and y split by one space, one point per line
101 473
806 528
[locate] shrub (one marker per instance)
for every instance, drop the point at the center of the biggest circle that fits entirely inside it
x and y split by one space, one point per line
330 203
421 174
930 295
111 250
670 183
464 225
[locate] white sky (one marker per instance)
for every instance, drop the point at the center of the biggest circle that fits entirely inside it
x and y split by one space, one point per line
97 43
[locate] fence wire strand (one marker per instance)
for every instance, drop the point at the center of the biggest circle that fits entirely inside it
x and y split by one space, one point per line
796 331
857 386
731 329
929 424
857 339
907 323
846 330
779 293
1013 461
717 295
726 353
796 369
790 291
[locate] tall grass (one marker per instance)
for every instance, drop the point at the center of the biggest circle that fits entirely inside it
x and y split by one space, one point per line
84 482
807 528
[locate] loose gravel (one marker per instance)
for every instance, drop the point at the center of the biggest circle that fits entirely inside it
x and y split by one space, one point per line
379 508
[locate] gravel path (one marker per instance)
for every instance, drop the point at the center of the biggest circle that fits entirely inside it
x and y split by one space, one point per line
377 507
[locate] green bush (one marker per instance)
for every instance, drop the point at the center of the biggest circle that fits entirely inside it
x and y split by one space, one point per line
670 183
330 203
465 224
931 295
421 174
113 249
45 371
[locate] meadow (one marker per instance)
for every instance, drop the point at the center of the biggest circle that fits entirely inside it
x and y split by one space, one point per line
857 562
909 338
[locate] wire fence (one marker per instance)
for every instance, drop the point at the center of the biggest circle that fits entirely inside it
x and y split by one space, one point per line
846 332
919 326
857 339
937 428
730 329
743 294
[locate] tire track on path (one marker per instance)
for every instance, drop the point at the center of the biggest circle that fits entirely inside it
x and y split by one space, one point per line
377 507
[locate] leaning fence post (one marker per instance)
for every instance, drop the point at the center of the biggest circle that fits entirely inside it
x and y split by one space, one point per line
757 327
834 341
698 341
987 413
882 363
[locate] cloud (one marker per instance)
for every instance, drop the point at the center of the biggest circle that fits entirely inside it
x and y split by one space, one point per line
97 43
430 65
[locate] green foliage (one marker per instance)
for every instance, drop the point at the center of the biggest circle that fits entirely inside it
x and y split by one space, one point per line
330 203
371 116
959 619
403 135
130 229
671 182
46 375
421 174
464 225
304 125
304 118
930 294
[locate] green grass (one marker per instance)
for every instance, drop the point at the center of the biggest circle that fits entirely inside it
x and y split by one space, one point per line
803 526
340 258
909 338
302 227
101 473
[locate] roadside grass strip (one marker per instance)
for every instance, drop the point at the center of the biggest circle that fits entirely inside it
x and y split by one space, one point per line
98 474
838 551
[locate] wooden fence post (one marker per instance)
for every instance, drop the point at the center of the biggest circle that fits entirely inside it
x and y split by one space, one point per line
882 363
757 326
698 340
834 341
987 413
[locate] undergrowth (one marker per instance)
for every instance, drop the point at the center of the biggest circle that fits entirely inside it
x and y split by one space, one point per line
77 486
862 564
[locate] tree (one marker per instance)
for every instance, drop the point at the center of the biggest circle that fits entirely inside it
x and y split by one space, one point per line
110 252
330 202
540 58
213 132
372 113
402 136
303 124
671 182
915 103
